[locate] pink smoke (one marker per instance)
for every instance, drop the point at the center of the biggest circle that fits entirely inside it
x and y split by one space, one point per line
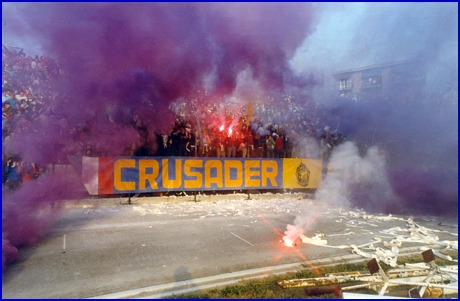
122 59
292 233
29 212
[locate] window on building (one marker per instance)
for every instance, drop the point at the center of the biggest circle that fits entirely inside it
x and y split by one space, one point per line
372 81
345 84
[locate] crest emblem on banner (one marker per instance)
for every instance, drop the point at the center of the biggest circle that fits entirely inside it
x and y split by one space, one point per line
302 175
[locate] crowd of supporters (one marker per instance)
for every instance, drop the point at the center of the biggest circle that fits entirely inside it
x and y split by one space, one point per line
26 94
243 141
272 127
243 133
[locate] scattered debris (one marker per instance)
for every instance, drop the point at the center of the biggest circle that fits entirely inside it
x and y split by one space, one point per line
63 244
428 279
316 240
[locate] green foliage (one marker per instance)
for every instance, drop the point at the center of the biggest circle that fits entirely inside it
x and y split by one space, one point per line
268 288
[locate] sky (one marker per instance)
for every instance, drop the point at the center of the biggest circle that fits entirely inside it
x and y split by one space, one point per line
312 38
139 58
351 35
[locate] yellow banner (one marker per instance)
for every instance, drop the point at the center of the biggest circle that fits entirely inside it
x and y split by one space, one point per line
301 173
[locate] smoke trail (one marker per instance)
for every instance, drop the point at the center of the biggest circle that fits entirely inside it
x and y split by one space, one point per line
368 187
340 190
300 224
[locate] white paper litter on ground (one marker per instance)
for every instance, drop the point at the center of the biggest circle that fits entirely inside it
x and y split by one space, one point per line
385 247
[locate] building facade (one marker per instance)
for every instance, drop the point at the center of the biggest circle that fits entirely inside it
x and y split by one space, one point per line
397 81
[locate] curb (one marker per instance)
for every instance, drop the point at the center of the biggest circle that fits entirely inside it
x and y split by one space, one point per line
211 282
120 201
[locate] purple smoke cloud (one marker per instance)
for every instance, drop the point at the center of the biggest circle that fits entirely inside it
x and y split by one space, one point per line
121 60
29 212
141 56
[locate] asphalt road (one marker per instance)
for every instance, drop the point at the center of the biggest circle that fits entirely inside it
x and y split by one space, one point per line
116 248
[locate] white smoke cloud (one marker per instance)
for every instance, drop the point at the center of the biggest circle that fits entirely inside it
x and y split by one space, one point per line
347 168
348 172
301 224
333 190
307 147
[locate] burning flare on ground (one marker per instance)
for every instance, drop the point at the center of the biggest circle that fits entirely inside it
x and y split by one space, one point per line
292 233
288 242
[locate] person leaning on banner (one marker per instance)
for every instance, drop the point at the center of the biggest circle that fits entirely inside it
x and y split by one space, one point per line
270 143
191 146
243 146
230 142
288 147
251 150
205 145
184 138
13 178
173 142
219 145
279 147
259 146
